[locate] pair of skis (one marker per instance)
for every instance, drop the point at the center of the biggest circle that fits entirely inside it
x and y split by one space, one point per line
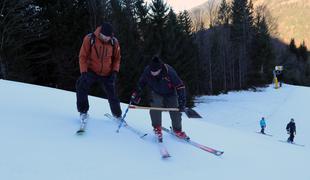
264 134
195 144
83 125
162 148
124 124
293 143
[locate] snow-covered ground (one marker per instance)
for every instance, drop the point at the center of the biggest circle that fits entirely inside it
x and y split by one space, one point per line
38 140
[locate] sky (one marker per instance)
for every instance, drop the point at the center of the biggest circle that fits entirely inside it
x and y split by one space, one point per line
38 139
180 5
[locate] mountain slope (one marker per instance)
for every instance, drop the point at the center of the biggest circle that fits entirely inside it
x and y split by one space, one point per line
38 141
292 17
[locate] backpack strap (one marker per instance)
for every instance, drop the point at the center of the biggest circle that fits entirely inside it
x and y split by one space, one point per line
92 40
113 41
166 76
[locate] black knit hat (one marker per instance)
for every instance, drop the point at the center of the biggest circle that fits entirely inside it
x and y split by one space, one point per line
156 64
106 29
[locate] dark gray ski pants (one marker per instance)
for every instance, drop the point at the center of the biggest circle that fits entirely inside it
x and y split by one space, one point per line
167 102
83 85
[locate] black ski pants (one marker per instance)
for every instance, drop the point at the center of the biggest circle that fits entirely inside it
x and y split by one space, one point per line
263 129
167 102
291 138
107 84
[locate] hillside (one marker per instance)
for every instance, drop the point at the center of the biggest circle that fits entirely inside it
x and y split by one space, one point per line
292 17
38 138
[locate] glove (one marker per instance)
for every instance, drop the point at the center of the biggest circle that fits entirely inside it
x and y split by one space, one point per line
135 98
113 76
83 76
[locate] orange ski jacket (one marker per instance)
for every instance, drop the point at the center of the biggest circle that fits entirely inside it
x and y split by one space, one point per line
100 56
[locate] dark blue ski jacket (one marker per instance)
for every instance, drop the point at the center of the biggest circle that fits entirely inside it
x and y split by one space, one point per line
165 84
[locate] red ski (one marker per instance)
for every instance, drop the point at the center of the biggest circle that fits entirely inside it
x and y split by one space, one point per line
193 143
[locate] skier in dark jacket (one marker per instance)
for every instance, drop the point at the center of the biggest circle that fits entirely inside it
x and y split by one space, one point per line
291 130
167 90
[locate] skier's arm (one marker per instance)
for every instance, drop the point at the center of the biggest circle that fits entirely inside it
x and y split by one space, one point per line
180 88
135 96
287 127
84 54
116 56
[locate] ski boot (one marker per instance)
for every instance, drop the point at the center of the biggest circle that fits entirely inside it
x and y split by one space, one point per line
180 134
158 133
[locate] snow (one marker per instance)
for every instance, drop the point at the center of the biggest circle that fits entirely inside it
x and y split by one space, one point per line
38 139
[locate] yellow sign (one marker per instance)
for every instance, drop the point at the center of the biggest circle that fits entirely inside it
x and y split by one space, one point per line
279 68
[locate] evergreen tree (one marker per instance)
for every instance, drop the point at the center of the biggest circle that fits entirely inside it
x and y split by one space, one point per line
131 42
303 51
68 22
241 36
98 10
142 19
186 23
224 14
262 54
21 33
158 21
292 46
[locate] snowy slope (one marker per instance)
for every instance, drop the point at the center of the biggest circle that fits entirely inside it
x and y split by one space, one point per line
38 138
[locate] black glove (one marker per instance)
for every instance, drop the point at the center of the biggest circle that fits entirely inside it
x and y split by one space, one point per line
135 97
83 76
113 75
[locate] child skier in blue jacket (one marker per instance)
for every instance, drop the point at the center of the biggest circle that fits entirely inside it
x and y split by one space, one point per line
262 123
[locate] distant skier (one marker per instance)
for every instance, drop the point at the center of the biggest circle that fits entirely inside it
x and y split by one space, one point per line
291 130
167 90
262 123
99 61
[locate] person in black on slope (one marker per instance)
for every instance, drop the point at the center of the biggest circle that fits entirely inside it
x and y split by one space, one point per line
291 130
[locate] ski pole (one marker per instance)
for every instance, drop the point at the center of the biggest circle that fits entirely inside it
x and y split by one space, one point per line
123 118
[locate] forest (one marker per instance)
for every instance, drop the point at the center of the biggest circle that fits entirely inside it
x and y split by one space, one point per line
40 42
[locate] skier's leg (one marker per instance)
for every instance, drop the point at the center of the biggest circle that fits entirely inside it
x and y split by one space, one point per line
263 130
82 87
292 137
156 101
172 102
108 85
